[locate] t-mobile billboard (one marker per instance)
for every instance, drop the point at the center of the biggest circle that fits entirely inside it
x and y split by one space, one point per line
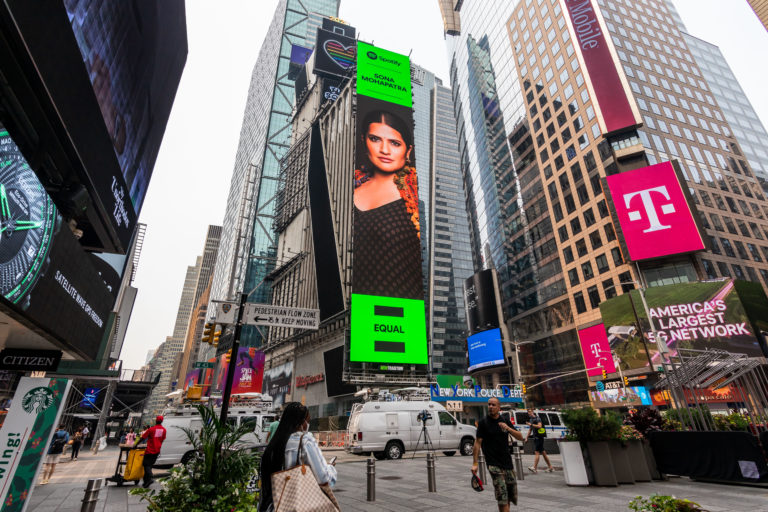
613 101
701 315
596 350
653 213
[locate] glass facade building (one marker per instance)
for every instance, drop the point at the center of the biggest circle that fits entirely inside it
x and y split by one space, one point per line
533 156
247 252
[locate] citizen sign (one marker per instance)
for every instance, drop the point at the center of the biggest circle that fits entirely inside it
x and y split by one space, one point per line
653 212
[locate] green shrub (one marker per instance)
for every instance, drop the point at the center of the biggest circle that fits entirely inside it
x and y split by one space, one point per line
213 481
660 503
586 426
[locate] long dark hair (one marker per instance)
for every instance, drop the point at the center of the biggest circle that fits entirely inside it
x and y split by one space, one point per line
383 117
273 459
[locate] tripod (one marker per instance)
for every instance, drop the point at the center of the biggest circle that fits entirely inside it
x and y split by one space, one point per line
427 443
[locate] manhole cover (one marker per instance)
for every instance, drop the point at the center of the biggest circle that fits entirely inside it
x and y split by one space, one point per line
391 478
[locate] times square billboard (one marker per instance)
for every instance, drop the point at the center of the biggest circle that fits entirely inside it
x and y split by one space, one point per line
388 323
724 314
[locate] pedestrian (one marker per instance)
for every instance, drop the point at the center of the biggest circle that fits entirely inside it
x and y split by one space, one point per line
539 433
60 439
130 437
282 453
273 427
493 432
77 442
154 437
86 432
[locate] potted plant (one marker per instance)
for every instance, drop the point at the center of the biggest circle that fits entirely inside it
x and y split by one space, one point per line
663 503
593 432
574 468
646 422
218 479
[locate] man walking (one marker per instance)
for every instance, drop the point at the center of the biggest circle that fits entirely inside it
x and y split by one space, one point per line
492 435
154 437
60 439
538 432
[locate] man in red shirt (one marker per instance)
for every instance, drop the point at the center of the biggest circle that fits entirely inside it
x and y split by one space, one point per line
154 437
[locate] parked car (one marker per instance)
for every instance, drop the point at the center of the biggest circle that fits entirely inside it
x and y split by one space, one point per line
389 429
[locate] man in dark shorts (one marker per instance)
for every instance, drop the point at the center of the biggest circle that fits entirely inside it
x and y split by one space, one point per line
492 435
538 432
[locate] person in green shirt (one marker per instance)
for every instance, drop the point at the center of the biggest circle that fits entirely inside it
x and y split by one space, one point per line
273 428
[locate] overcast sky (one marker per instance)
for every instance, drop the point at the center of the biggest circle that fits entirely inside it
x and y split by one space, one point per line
191 178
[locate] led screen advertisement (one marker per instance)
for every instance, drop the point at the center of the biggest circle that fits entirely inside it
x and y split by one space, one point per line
596 350
608 87
277 383
45 276
387 304
653 213
485 349
480 301
335 53
620 397
249 371
700 315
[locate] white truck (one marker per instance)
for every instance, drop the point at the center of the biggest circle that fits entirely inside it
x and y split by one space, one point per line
389 429
177 447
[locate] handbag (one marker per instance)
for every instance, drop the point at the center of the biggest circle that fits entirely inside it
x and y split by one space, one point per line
297 490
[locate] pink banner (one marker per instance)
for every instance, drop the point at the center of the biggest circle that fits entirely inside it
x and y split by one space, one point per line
653 212
610 95
596 350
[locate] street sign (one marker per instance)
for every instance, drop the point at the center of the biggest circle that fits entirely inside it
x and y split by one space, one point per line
225 342
202 364
454 406
280 316
226 313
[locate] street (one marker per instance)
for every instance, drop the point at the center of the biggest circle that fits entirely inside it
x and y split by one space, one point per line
401 486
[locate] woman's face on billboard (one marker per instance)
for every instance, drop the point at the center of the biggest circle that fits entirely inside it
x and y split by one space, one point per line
386 147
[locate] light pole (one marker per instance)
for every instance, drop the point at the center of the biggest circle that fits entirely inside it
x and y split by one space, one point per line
518 371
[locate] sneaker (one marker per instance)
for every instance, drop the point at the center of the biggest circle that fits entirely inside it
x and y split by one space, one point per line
147 484
550 469
532 470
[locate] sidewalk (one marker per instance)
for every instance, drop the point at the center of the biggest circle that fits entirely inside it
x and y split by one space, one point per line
401 486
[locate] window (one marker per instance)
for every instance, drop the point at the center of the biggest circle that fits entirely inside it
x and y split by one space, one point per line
724 272
575 226
562 232
595 240
581 248
594 296
586 269
727 247
573 275
581 306
609 289
709 268
602 264
446 419
568 255
610 234
589 217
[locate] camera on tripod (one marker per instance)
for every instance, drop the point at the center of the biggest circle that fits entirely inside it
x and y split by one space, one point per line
424 416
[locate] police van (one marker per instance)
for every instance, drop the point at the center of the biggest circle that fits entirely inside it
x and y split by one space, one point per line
551 420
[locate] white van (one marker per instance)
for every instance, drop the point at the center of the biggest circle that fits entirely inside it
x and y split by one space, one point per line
389 429
178 448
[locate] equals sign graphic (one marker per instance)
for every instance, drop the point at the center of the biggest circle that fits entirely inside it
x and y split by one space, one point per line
388 346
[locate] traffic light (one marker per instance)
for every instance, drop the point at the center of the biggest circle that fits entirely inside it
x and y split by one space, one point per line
208 333
215 338
626 381
605 374
523 388
228 356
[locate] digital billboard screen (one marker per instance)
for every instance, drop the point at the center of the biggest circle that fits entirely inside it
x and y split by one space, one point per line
654 216
596 350
480 301
701 315
620 397
277 383
485 349
387 307
45 276
335 53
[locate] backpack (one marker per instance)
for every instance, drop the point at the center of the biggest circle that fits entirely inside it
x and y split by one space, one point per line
58 443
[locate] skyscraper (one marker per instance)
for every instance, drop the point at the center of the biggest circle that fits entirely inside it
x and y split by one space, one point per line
248 239
535 148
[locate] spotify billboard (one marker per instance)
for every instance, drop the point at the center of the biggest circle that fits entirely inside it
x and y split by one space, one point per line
387 310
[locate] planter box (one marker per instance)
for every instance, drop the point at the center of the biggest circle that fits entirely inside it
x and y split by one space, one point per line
601 464
622 467
650 461
637 461
574 468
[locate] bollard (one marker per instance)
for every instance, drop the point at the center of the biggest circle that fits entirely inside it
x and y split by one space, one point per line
481 464
518 461
371 479
431 482
91 495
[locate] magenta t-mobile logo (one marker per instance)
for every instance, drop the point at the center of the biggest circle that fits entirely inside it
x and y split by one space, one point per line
653 212
650 208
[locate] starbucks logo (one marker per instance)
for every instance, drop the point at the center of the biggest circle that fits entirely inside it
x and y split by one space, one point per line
37 400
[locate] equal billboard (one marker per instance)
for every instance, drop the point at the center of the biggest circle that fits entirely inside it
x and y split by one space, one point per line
46 278
700 315
654 214
485 349
608 87
387 304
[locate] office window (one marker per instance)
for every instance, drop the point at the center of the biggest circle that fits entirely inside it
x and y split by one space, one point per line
594 296
609 289
595 240
581 248
586 270
602 264
581 306
568 255
573 275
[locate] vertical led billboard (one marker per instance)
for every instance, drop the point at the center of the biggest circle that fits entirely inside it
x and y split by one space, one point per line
654 216
485 349
387 317
596 350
